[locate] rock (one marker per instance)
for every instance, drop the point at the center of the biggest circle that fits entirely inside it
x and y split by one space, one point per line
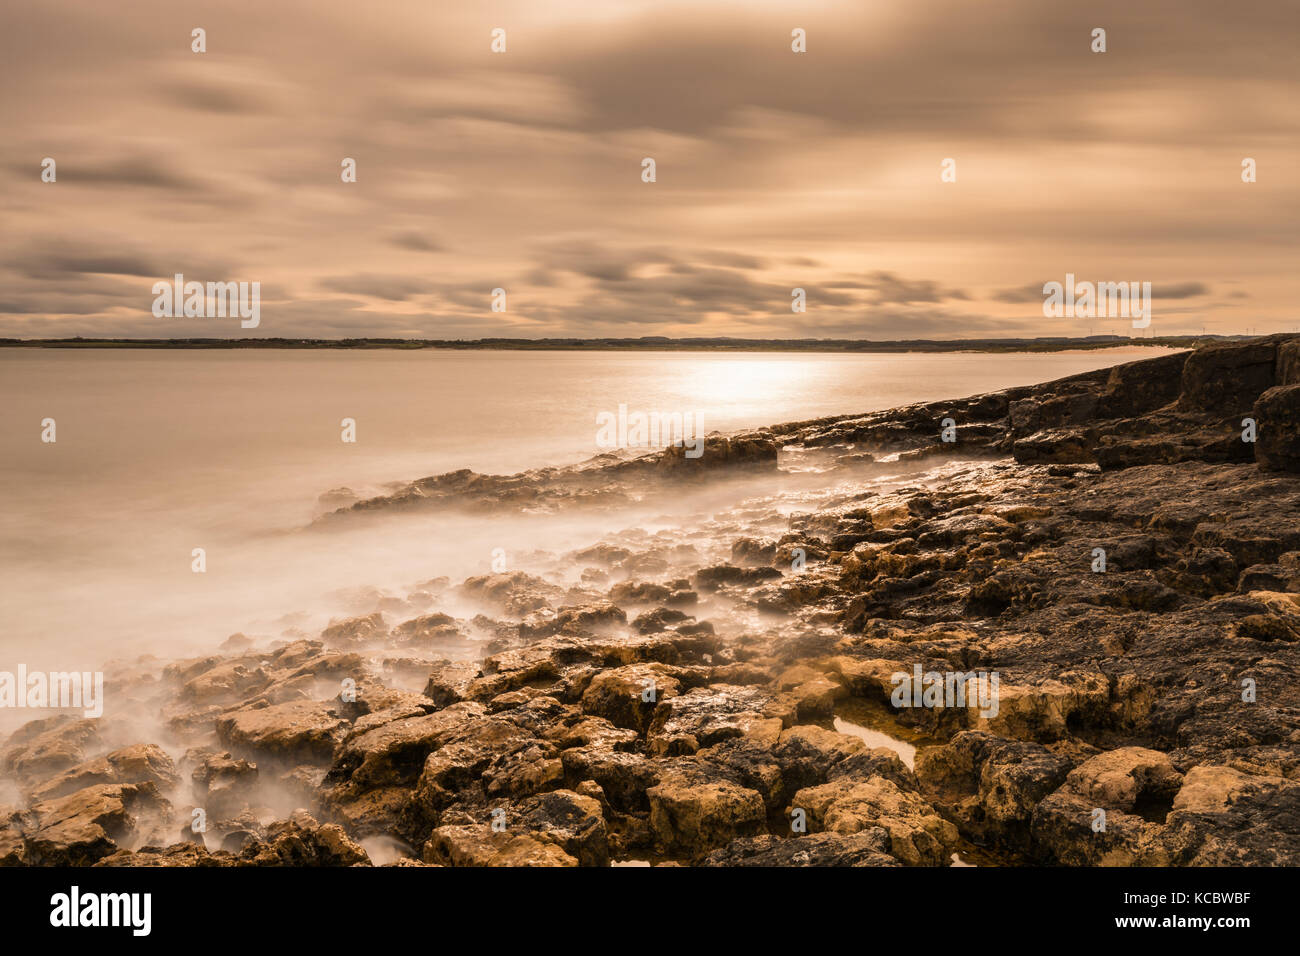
480 845
704 716
450 682
355 632
1136 388
301 841
42 748
394 753
142 763
1288 362
627 696
710 579
515 592
867 848
989 786
1277 418
691 815
738 452
1226 379
292 733
178 855
78 829
573 822
1059 445
752 552
224 786
918 836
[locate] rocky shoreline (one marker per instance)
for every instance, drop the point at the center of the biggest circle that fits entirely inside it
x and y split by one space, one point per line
1120 548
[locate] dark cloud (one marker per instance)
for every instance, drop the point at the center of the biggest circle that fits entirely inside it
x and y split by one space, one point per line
414 241
891 288
394 288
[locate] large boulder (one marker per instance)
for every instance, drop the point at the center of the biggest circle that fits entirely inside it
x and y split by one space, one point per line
1226 379
918 836
1136 388
142 763
293 732
1288 362
693 812
1277 418
86 826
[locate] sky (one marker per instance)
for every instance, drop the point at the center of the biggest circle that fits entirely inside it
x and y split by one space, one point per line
522 170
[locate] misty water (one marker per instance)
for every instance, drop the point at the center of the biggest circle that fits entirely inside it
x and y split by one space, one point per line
162 452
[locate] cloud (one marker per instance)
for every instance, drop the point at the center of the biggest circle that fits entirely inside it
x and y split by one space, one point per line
415 241
776 170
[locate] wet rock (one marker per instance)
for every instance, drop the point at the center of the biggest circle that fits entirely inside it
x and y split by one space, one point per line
450 682
638 593
585 619
178 855
628 696
989 786
652 622
810 755
753 553
710 579
693 812
515 592
867 848
301 841
918 836
487 759
704 716
480 845
1057 445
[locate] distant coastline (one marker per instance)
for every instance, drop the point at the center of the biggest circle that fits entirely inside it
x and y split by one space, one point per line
648 344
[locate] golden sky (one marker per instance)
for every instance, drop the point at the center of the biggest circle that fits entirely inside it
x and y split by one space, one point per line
522 170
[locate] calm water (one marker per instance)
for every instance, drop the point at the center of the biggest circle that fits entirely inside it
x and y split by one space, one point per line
161 452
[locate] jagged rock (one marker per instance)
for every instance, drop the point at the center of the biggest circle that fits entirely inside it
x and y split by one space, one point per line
628 696
142 763
918 836
82 827
1277 418
480 845
42 748
692 814
296 732
1226 379
355 632
867 848
989 786
701 717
